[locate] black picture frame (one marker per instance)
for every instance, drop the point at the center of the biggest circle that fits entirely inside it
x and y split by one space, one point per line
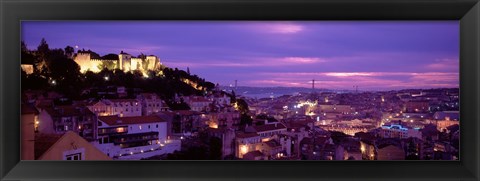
12 12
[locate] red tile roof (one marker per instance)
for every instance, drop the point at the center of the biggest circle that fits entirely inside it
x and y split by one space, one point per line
115 120
43 142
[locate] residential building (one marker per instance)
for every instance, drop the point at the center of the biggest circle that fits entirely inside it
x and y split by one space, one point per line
120 107
134 137
60 119
68 146
151 104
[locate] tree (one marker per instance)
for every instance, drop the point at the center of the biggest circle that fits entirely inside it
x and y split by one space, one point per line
242 106
245 120
69 51
107 64
43 47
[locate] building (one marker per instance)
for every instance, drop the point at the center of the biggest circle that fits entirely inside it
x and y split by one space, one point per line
186 122
69 146
90 61
29 123
134 137
442 125
227 136
224 119
399 131
245 143
390 152
198 103
268 130
60 119
416 106
151 104
120 107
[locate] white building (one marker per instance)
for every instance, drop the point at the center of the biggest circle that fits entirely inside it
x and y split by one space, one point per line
134 137
399 131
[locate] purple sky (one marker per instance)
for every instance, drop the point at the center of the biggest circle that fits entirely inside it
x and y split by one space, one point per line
375 55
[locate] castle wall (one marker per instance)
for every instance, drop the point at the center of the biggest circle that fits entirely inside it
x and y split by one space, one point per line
125 62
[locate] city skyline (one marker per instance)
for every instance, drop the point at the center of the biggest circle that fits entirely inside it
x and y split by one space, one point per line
338 55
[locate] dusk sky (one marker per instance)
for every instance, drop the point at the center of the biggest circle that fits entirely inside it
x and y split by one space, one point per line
374 55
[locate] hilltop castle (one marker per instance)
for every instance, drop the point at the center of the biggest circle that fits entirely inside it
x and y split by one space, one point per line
88 60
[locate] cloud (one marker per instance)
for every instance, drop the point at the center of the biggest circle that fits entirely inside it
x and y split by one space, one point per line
365 80
446 64
302 60
277 28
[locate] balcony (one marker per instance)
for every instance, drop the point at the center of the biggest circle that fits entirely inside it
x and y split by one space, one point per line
113 131
135 138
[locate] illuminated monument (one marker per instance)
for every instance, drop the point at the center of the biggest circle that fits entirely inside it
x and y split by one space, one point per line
88 60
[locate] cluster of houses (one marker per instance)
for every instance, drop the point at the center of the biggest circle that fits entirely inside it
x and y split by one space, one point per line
126 128
391 126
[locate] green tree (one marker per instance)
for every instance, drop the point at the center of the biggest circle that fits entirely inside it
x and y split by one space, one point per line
107 64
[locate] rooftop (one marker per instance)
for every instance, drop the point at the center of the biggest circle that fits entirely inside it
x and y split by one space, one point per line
116 120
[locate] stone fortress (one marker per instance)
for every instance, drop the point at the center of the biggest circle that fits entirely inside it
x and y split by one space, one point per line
88 60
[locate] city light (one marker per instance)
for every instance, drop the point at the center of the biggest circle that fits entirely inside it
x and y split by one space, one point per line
244 149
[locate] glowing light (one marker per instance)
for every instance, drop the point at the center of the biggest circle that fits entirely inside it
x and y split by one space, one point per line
37 122
141 151
213 125
362 148
106 78
181 137
244 149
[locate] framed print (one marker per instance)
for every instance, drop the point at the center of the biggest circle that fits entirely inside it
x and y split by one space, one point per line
227 90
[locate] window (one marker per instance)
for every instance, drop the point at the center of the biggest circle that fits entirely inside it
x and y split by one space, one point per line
157 125
148 126
76 156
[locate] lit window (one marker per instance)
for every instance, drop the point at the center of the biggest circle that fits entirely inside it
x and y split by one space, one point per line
139 127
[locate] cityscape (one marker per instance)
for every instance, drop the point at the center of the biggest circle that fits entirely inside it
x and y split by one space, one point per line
240 91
